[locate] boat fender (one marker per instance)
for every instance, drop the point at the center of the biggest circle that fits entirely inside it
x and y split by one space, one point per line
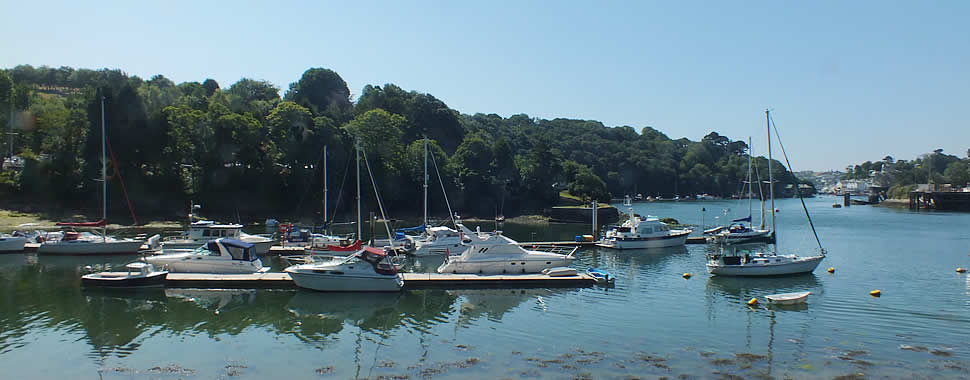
831 270
875 293
753 302
961 270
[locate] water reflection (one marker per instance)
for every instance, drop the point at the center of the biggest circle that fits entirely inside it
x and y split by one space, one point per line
744 288
493 304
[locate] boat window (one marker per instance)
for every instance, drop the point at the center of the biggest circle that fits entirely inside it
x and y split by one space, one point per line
623 229
206 233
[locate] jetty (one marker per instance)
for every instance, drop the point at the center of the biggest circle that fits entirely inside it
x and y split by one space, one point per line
277 280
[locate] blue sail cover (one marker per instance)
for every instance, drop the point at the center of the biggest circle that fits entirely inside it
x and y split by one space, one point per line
411 229
745 219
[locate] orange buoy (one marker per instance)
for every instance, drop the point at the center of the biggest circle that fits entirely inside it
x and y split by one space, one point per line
875 293
753 302
831 270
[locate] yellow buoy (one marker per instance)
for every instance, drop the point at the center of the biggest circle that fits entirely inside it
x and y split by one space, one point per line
961 270
831 270
875 293
686 275
753 302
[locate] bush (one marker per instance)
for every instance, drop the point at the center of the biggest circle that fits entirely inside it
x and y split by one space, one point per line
901 191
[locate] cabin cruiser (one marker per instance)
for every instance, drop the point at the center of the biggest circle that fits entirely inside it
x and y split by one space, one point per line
202 231
217 256
496 254
366 270
10 243
439 240
639 233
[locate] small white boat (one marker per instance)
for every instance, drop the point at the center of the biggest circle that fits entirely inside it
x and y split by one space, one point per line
367 270
787 298
217 256
139 274
559 272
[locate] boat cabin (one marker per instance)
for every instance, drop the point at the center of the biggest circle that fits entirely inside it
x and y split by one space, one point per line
235 249
209 230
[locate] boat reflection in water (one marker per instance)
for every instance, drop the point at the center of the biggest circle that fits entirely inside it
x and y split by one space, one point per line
493 304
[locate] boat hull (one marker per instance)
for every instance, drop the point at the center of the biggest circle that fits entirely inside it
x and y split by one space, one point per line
672 240
193 264
85 247
12 243
501 266
332 282
801 265
124 280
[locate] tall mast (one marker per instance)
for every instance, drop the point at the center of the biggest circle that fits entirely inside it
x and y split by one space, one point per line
359 234
749 180
324 185
104 178
771 181
426 182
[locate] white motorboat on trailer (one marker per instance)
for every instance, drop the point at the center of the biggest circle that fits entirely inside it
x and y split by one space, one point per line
639 233
203 231
496 254
367 270
138 275
217 256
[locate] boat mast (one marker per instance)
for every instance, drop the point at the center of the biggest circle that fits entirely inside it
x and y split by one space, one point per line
749 181
325 186
359 233
426 182
104 178
771 181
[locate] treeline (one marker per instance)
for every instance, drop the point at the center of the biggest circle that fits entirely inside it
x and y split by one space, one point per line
244 150
902 176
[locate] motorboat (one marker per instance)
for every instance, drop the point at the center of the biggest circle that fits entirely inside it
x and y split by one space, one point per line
10 243
787 298
494 253
203 231
639 233
88 243
438 240
222 256
138 274
730 261
366 270
601 276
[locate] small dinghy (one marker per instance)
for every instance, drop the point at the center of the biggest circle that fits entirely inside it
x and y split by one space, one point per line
787 298
559 272
139 274
600 275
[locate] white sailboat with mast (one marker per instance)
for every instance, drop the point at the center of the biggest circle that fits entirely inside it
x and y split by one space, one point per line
75 243
741 230
730 262
437 240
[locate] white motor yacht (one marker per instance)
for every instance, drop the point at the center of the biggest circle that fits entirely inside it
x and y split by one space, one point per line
216 256
366 270
202 231
438 240
639 233
496 254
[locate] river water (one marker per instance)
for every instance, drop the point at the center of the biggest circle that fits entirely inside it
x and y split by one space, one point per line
653 323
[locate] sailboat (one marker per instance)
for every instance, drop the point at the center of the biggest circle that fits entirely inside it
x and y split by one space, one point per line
740 230
436 240
87 243
368 269
730 262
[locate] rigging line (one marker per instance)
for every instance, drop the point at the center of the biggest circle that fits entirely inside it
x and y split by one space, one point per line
797 191
340 193
380 205
114 163
306 190
443 192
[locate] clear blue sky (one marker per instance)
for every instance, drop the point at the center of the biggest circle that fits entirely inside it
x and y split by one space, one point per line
848 81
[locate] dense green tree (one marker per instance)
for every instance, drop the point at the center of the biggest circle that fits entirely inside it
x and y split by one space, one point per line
323 92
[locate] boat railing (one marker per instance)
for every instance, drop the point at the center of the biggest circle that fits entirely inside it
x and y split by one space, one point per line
550 248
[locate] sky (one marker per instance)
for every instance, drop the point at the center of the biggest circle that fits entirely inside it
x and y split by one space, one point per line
846 81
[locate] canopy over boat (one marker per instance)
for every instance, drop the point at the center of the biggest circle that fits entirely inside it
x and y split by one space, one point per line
239 250
100 223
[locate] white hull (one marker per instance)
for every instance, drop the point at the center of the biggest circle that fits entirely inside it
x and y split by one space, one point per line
332 282
90 247
262 245
438 247
503 266
202 266
800 265
645 243
12 243
787 298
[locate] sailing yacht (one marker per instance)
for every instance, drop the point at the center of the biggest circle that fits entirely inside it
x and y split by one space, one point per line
496 254
436 240
740 230
87 243
368 269
730 262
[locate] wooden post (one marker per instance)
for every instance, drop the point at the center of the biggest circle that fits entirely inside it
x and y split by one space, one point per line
373 221
846 199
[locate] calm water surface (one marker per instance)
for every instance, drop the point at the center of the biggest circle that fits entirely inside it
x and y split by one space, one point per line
653 323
